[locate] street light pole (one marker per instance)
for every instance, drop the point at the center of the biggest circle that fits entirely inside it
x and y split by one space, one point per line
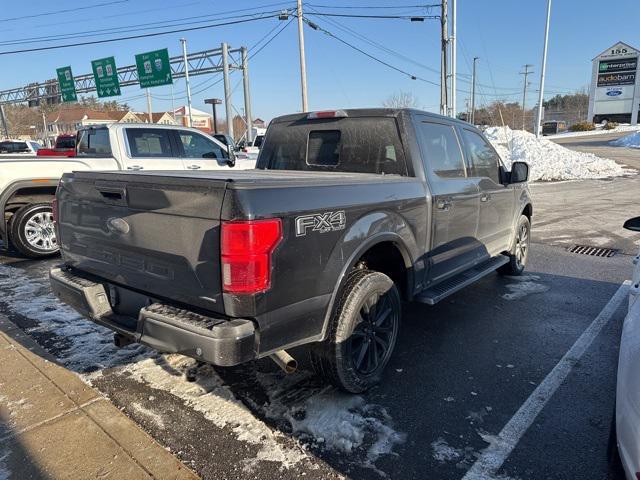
473 92
454 13
543 70
303 62
186 78
213 102
444 40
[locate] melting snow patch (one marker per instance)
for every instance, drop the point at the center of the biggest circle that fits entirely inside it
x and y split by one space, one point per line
151 415
523 286
217 403
331 419
84 346
549 161
632 141
443 452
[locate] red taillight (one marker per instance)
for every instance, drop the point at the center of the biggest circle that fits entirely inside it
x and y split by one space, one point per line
54 209
246 248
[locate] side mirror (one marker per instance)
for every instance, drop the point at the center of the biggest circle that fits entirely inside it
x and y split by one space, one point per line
231 159
519 172
633 224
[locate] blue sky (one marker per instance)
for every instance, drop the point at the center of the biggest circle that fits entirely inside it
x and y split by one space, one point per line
505 34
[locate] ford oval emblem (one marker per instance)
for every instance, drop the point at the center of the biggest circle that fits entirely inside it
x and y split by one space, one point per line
118 225
614 93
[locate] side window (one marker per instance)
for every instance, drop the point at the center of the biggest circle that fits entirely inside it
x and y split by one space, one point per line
484 161
198 146
149 142
442 150
94 142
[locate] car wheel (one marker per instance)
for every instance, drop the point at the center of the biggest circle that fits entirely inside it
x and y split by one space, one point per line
520 252
32 231
362 333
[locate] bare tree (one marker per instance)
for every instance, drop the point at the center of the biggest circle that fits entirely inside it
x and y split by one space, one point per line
401 100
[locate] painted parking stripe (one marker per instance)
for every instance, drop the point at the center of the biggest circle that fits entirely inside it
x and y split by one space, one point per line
499 450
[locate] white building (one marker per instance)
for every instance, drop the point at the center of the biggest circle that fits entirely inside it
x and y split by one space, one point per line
201 120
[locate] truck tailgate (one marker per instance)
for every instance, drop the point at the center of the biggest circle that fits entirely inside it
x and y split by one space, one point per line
156 234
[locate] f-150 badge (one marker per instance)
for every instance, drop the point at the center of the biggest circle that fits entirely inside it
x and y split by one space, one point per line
321 222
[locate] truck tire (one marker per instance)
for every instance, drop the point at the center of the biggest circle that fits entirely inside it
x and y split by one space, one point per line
362 333
32 231
520 252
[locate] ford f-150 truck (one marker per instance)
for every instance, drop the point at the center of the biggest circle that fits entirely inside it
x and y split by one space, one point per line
348 213
28 184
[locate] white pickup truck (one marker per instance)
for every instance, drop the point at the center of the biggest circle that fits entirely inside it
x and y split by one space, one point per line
28 184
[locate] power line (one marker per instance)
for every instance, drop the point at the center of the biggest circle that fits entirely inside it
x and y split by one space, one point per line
372 57
57 12
131 37
370 7
134 28
395 17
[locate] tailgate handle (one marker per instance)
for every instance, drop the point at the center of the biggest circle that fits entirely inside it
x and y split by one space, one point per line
116 195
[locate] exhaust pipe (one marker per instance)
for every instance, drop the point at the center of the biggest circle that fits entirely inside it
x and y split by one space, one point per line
286 362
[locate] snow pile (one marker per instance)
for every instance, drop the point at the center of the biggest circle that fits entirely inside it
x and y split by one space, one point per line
549 161
632 141
600 130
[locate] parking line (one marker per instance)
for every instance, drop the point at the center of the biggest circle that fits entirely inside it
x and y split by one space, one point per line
499 450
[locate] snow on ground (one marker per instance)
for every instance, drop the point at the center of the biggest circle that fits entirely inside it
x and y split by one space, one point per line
598 131
524 285
549 161
322 417
632 141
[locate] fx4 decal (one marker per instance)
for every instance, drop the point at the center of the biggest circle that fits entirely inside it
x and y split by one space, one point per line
321 222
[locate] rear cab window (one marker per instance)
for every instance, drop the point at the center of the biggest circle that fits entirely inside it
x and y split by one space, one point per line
94 142
348 144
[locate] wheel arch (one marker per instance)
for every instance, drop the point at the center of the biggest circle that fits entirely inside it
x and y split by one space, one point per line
23 192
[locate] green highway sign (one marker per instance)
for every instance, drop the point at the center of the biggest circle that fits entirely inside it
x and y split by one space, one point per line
106 77
67 84
154 68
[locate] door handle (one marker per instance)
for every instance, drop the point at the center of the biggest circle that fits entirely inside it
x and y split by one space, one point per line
135 167
443 204
485 197
193 167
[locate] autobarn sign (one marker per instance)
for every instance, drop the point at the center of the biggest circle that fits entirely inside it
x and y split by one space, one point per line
624 65
614 79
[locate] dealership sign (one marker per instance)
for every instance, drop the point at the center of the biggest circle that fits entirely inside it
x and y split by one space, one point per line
620 78
624 65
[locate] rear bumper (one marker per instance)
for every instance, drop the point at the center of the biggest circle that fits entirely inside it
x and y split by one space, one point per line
162 327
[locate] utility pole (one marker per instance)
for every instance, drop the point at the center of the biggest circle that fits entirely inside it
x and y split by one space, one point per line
4 122
444 43
303 62
543 69
454 13
247 94
228 108
473 92
149 106
524 91
186 78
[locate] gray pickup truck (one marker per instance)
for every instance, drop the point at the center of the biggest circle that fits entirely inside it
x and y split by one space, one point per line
348 213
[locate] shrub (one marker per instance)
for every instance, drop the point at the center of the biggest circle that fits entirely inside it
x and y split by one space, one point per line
611 125
582 127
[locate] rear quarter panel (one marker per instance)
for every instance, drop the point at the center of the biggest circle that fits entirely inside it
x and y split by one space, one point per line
308 267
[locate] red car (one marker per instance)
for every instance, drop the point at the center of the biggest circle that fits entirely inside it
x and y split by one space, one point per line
65 147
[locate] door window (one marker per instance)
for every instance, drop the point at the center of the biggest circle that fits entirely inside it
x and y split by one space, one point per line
94 142
149 143
483 159
198 146
442 150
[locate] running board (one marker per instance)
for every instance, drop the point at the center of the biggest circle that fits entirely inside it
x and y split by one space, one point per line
442 290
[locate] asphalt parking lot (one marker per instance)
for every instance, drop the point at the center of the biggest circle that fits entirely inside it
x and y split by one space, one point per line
479 362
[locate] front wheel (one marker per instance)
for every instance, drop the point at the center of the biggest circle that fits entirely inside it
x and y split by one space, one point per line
520 252
362 334
32 231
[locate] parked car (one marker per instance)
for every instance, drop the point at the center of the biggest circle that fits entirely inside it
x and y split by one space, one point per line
253 147
27 185
348 213
625 439
19 147
552 127
65 146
